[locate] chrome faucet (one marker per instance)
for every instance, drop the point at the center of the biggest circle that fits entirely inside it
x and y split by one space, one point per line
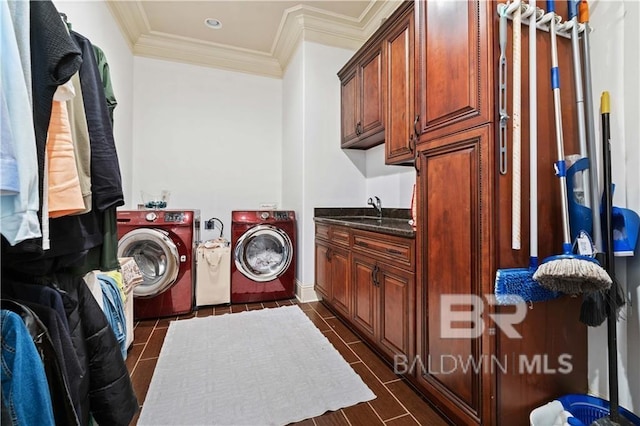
376 205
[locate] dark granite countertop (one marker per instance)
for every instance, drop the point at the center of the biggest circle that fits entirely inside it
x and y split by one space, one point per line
393 222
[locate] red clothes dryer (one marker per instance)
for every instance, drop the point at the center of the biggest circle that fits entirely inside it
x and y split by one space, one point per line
163 243
263 251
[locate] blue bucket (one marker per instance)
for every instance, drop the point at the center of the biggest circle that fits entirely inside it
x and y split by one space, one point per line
588 409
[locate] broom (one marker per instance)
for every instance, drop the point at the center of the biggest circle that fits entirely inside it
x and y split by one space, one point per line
515 285
568 272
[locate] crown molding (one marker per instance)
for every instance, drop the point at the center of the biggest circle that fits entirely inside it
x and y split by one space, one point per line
168 47
298 23
131 18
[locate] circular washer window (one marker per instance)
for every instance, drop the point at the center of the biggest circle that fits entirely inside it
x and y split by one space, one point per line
156 256
263 253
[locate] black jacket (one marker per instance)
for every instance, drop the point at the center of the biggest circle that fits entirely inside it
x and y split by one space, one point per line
112 400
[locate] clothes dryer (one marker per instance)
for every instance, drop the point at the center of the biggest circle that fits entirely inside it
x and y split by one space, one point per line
263 251
163 243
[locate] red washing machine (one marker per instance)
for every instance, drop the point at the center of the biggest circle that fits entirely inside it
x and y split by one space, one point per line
263 249
163 243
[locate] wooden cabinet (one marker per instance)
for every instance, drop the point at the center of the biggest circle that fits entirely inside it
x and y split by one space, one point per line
332 267
381 286
455 255
453 81
362 92
401 118
384 291
464 227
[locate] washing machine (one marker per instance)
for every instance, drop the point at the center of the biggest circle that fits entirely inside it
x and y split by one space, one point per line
163 243
263 255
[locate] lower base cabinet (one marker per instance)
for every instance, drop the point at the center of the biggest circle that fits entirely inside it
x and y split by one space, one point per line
369 280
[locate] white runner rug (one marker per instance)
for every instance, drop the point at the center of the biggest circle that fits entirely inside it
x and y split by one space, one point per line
263 367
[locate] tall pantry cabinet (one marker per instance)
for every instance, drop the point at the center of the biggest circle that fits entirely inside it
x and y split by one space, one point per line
440 83
464 219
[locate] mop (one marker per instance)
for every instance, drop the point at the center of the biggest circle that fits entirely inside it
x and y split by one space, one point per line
515 285
614 418
568 272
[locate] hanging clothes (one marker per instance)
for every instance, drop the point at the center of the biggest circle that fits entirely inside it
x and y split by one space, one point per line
19 212
112 400
63 190
105 76
81 141
25 395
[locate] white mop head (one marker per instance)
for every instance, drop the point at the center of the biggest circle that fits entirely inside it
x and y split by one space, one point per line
572 276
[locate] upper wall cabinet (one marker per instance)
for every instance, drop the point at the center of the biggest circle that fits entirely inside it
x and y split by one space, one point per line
362 107
401 119
453 88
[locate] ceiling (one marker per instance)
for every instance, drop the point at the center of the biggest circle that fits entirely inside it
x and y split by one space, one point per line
257 36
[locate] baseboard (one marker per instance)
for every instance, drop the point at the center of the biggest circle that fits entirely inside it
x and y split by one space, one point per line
305 293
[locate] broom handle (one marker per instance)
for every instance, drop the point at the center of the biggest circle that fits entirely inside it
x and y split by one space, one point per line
533 140
577 71
594 180
612 338
561 167
516 184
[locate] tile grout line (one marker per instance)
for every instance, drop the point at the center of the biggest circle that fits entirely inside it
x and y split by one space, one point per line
345 417
135 365
398 417
381 382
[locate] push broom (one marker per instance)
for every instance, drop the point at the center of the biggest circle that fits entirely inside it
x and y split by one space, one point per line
515 285
567 272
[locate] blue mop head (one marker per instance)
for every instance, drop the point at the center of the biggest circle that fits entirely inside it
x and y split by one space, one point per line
517 285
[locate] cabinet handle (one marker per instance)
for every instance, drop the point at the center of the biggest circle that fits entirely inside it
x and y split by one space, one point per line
358 128
328 254
363 244
415 164
393 251
374 275
415 126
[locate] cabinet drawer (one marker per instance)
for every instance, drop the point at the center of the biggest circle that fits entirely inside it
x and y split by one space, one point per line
322 231
335 234
340 236
396 250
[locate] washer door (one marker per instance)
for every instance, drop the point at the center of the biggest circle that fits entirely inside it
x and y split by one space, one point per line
157 257
263 253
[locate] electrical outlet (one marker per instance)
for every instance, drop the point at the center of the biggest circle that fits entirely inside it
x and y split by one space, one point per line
268 206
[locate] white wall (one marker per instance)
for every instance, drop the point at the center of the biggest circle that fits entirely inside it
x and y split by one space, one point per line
392 184
316 171
615 67
213 138
93 20
331 176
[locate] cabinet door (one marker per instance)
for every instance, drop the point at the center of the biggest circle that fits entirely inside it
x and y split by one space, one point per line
365 305
349 107
323 277
455 214
454 74
399 75
340 284
397 308
371 92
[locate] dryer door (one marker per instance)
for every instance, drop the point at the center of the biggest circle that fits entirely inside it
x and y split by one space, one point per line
263 253
157 257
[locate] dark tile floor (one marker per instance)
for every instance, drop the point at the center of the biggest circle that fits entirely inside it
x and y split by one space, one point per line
396 402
